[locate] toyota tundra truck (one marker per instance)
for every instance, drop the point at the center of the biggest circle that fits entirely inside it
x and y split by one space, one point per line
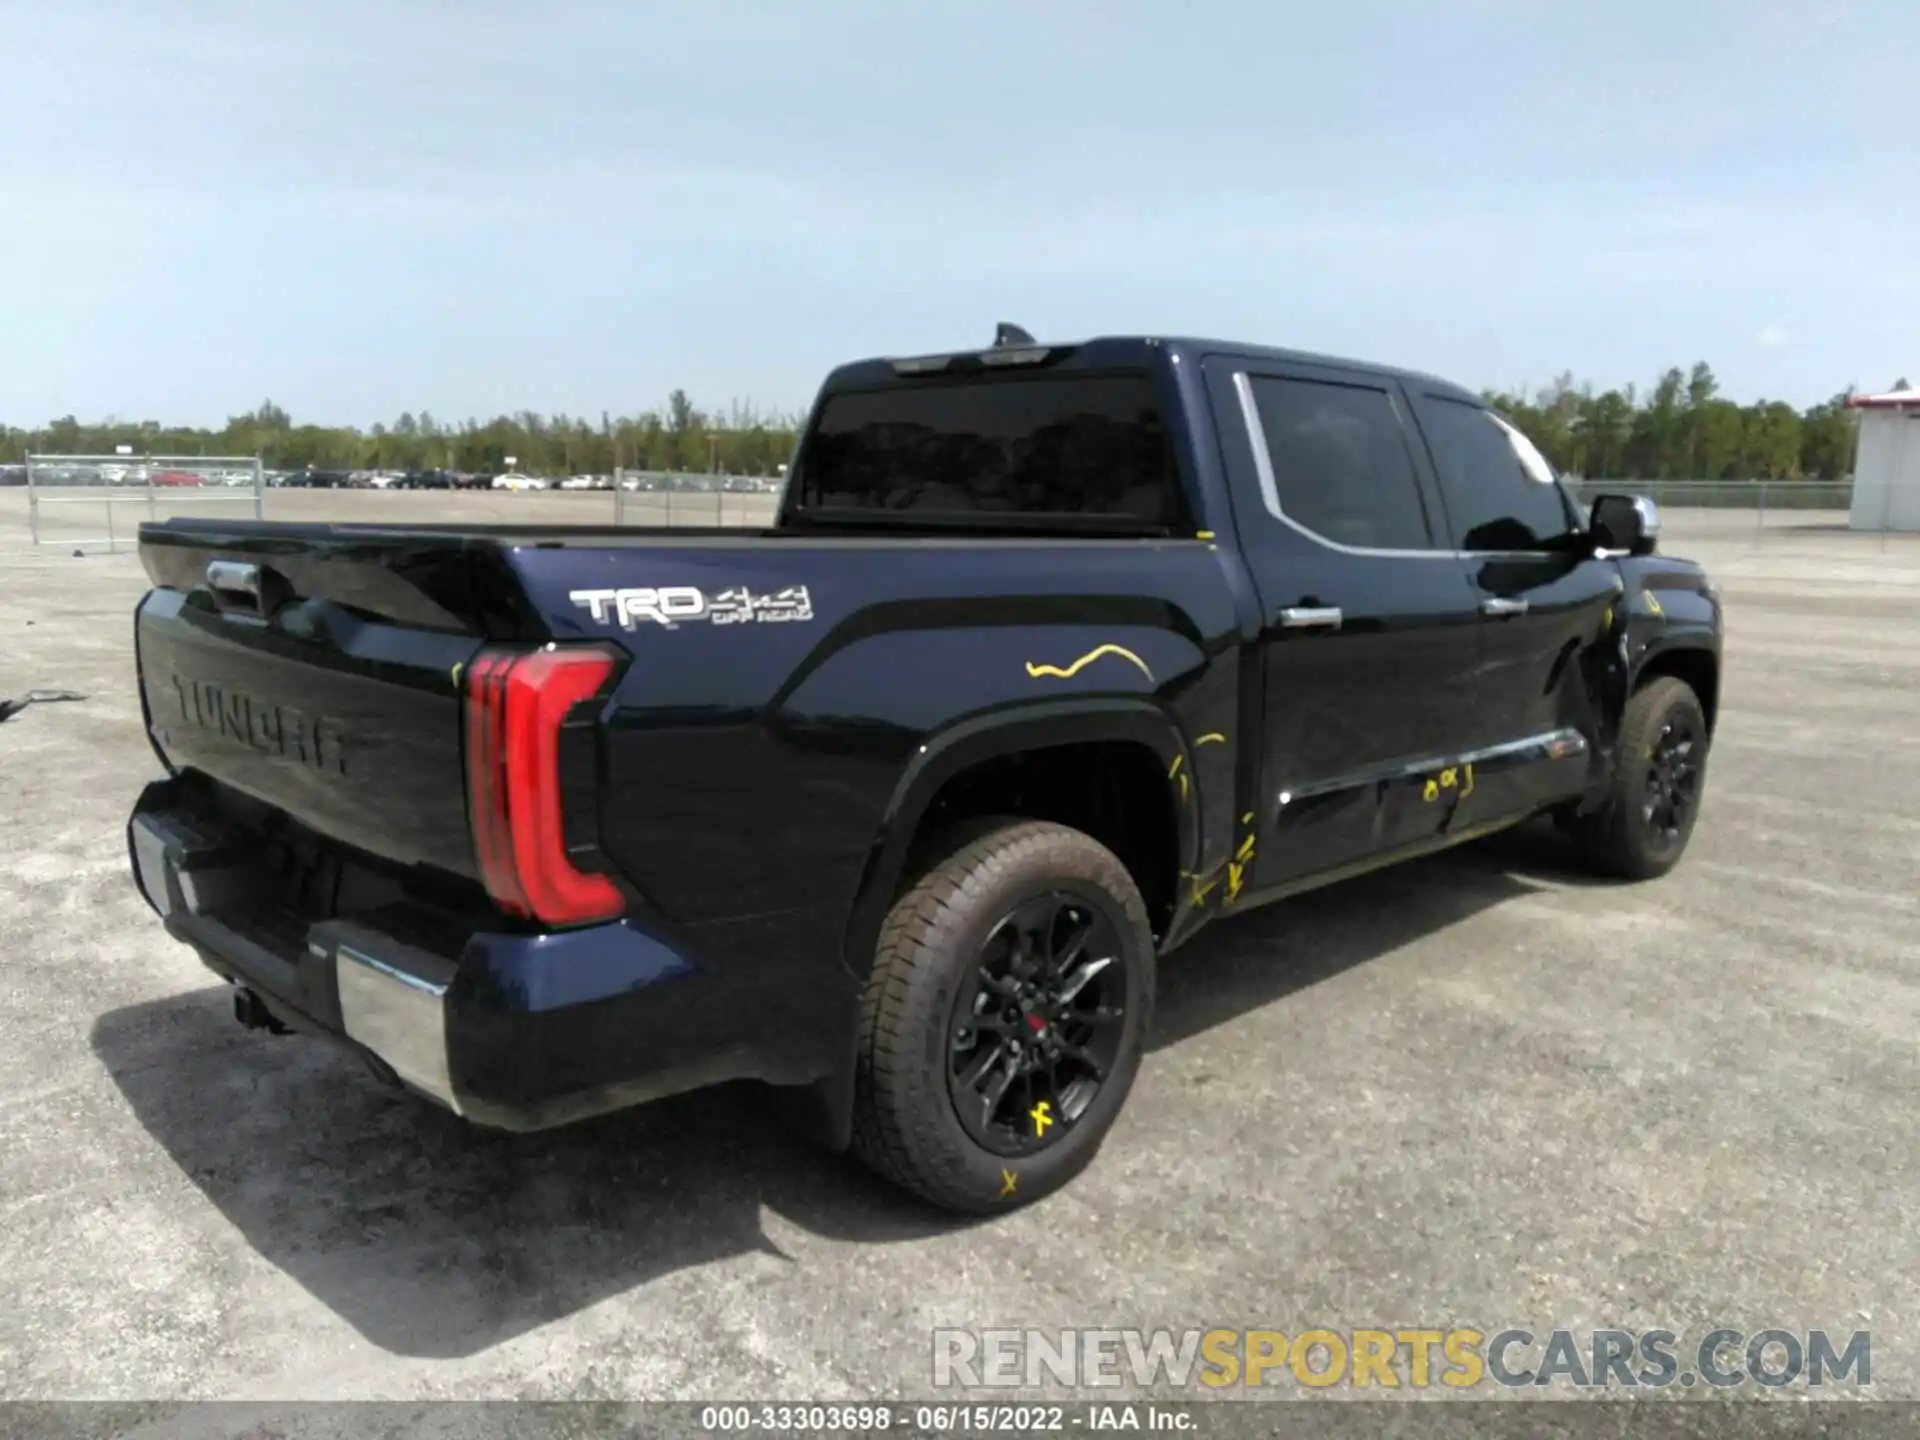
1051 656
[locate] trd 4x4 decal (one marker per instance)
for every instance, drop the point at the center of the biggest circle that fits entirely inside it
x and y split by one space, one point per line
668 605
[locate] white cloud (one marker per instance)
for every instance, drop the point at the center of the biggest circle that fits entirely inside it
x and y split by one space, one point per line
1771 337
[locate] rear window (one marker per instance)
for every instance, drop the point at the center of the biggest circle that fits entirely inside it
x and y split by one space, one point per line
1031 445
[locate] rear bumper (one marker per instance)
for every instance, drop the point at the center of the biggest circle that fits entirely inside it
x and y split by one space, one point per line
512 1031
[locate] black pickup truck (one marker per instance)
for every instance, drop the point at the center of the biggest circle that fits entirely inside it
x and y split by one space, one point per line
1052 655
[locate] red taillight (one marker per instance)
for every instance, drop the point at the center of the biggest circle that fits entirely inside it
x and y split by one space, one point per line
515 706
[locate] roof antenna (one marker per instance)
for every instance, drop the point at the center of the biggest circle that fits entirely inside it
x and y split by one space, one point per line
1007 333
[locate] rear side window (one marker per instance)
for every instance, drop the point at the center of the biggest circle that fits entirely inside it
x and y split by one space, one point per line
1340 462
1500 492
1035 445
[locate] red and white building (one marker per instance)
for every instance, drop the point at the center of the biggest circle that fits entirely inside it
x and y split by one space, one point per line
1886 462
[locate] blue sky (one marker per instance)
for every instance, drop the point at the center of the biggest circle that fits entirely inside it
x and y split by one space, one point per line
364 206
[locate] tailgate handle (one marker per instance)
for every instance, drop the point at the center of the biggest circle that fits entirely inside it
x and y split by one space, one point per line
231 578
237 585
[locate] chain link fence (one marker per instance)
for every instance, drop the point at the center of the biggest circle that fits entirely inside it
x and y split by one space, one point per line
1785 518
1756 496
1757 510
664 497
96 502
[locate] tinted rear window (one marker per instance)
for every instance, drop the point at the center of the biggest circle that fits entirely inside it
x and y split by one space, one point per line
1053 445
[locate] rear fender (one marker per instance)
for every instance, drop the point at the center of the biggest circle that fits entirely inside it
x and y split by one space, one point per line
971 742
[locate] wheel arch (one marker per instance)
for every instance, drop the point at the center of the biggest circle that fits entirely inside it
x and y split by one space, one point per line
1696 665
959 761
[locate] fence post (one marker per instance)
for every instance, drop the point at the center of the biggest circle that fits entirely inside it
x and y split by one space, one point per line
259 489
1760 515
33 504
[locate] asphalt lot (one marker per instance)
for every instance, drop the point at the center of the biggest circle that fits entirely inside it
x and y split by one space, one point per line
1478 1090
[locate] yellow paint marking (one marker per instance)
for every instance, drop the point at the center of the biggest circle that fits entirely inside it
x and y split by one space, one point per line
1652 603
1247 819
1203 534
1234 875
1200 892
456 674
1036 671
1212 737
1174 769
1009 1182
1450 778
1042 1115
1245 852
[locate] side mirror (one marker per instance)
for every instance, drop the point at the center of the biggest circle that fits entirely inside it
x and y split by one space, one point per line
1625 522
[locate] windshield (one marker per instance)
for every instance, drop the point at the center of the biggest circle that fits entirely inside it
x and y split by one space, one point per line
1053 445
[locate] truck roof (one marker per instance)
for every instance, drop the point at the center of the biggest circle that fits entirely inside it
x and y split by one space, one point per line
1137 350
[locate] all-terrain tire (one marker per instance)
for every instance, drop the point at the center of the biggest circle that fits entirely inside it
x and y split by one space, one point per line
906 1125
1618 838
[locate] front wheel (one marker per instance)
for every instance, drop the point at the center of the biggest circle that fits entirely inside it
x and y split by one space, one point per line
1004 1019
1658 783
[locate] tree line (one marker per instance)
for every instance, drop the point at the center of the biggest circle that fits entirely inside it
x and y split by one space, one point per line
742 440
1682 428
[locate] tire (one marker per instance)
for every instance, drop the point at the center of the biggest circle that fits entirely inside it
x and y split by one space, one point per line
951 945
1620 839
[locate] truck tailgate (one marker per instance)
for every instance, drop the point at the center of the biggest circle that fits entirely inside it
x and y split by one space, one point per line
325 685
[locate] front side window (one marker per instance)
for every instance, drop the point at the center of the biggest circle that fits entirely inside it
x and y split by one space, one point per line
1340 462
1499 490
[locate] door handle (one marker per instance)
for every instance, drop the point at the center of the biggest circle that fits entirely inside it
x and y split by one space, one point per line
1500 606
1310 617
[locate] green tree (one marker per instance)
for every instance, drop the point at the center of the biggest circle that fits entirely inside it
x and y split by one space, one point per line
1827 438
1604 426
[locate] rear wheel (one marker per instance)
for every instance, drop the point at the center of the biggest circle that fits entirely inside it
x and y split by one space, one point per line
1004 1019
1658 784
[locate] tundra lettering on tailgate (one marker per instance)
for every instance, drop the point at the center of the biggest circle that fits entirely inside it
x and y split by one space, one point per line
668 605
271 729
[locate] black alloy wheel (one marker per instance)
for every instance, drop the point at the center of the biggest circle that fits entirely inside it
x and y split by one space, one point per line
1658 782
1673 779
1005 1017
1036 1034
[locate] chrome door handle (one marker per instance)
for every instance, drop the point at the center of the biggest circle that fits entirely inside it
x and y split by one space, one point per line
1499 606
1310 617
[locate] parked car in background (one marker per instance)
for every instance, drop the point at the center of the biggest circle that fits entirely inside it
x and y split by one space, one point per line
176 478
